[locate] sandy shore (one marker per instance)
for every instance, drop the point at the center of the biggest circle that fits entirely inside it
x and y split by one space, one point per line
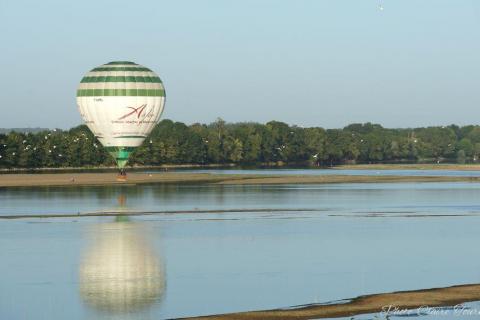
405 300
86 179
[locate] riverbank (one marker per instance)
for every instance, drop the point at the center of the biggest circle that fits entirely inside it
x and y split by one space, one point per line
397 303
104 179
174 167
164 167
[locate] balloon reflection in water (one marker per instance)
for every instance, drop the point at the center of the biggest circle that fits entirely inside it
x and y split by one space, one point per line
121 273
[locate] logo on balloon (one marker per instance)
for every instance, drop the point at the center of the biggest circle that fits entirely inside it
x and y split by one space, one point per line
139 115
136 111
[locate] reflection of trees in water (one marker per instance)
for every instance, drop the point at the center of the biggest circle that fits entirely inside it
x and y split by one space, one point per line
83 192
120 273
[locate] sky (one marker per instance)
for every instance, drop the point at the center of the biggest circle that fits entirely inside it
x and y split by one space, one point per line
400 63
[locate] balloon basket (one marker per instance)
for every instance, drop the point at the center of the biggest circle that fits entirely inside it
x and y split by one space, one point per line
122 178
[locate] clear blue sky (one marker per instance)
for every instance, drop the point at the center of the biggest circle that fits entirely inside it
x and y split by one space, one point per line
305 62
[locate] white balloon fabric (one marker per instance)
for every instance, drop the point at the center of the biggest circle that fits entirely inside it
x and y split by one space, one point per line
121 102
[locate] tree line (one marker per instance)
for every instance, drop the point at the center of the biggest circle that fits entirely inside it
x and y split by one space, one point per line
273 143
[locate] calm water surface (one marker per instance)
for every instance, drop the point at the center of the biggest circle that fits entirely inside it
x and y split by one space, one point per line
361 239
333 171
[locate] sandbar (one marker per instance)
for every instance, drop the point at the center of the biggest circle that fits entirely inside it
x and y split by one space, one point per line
105 179
399 301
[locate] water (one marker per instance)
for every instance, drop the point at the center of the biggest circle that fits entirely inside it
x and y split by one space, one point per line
333 171
357 239
438 198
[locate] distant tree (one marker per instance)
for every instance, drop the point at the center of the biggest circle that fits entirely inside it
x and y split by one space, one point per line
473 134
315 143
461 156
466 145
240 143
436 142
476 151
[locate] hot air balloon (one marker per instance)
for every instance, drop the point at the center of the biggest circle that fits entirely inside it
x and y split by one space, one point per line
121 102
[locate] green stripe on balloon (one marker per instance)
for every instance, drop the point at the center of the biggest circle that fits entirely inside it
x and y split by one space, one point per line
120 93
121 69
121 79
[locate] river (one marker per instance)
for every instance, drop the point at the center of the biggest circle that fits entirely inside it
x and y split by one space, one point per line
188 249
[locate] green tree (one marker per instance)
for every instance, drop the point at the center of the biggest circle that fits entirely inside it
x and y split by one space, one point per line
466 145
461 156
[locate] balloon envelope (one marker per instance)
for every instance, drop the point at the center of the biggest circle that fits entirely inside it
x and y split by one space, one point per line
121 102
